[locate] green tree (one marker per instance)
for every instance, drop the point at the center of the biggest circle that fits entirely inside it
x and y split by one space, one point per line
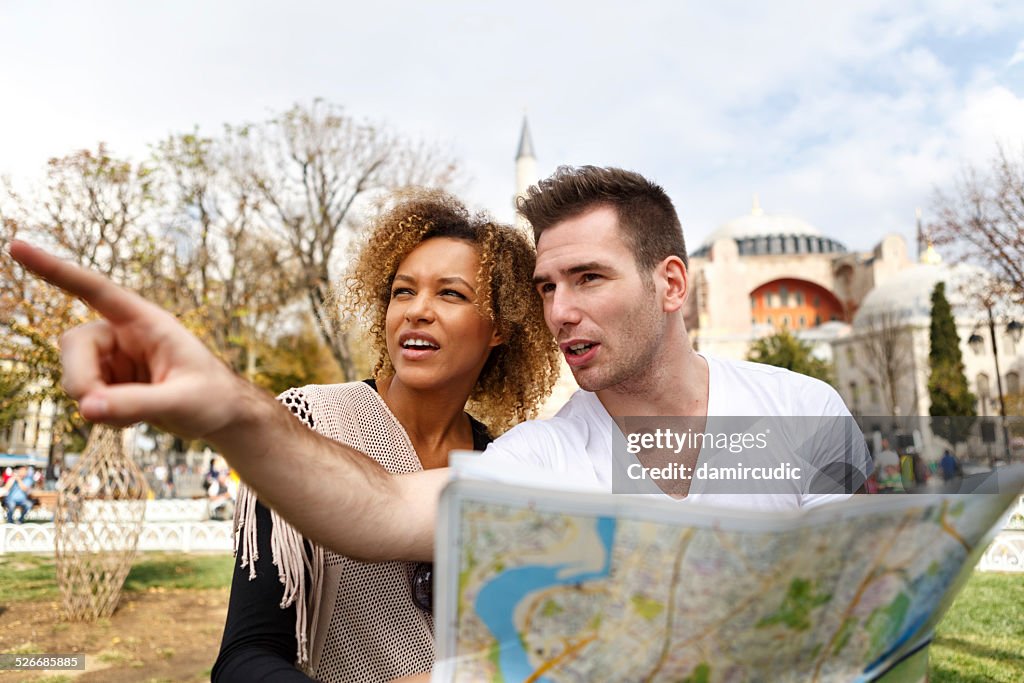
783 350
295 360
952 403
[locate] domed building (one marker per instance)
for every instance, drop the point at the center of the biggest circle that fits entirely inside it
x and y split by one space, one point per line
882 365
868 313
762 272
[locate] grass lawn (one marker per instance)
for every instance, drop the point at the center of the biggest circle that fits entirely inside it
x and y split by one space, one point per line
982 636
33 577
981 639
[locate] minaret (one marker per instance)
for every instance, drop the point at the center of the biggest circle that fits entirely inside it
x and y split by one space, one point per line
920 234
925 248
526 167
526 175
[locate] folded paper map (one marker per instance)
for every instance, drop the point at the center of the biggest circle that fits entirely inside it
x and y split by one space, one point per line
541 584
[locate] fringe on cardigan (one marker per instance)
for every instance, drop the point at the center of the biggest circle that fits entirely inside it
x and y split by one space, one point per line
295 558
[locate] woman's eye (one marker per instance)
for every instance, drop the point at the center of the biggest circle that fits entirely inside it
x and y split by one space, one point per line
452 292
399 291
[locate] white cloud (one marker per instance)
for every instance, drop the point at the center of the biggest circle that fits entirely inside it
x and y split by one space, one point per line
1018 55
843 113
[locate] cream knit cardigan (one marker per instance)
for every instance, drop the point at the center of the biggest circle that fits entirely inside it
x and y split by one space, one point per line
354 621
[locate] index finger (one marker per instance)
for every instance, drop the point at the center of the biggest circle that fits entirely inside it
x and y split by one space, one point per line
116 304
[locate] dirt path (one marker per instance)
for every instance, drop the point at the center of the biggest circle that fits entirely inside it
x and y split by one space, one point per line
159 635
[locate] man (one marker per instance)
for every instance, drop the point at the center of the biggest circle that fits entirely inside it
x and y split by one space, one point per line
612 273
17 494
950 466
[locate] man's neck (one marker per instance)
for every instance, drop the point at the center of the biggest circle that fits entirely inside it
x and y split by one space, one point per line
679 388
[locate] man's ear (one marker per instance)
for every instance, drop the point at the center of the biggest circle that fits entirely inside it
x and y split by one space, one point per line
672 272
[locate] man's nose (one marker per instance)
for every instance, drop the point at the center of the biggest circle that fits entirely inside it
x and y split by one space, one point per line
561 310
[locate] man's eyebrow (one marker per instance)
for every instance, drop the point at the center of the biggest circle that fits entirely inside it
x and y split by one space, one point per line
584 267
573 270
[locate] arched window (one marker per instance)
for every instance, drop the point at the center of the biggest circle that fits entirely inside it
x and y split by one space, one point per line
982 384
1013 383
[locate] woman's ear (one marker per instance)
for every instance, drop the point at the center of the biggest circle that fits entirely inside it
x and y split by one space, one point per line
496 338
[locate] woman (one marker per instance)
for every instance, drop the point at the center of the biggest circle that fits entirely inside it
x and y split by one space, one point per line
456 326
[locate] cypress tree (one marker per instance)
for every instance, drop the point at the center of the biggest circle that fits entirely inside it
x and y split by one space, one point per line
952 403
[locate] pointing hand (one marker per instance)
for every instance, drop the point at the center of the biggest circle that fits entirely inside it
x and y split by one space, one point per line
138 363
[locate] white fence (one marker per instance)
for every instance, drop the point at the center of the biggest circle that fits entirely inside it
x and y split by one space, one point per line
1006 554
186 537
183 526
172 525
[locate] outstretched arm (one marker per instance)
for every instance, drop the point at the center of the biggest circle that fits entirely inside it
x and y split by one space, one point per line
140 364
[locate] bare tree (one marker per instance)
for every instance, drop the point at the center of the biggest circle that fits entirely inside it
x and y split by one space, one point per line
887 345
982 218
94 209
223 267
320 171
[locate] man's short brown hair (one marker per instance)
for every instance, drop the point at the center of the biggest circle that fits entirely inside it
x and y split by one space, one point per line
647 218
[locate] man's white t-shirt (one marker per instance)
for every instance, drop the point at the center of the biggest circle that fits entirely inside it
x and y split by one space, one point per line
577 443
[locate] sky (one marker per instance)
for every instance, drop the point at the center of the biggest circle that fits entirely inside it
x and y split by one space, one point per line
848 115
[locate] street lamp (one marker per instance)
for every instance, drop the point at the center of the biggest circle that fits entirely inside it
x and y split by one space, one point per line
1014 329
977 344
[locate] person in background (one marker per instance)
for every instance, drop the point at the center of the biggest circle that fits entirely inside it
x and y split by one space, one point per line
950 466
17 494
222 495
887 467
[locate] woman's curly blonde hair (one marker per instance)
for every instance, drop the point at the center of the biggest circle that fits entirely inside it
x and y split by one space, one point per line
519 373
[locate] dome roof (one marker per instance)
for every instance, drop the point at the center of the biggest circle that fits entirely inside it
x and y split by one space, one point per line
762 224
759 233
907 295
